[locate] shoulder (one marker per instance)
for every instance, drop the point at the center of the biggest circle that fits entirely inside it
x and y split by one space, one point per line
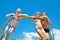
10 14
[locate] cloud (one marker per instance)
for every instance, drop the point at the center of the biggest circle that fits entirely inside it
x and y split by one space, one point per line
35 36
56 34
31 35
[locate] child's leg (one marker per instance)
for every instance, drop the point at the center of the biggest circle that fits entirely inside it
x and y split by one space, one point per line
9 32
40 34
48 36
40 30
6 29
45 34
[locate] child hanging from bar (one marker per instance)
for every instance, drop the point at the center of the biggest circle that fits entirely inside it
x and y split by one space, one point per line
45 24
16 18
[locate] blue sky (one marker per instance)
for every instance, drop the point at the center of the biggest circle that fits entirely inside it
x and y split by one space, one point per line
52 7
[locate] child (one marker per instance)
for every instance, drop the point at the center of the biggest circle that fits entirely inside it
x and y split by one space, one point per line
45 24
16 18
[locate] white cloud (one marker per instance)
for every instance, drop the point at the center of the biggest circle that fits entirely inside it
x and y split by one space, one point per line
31 35
34 35
56 34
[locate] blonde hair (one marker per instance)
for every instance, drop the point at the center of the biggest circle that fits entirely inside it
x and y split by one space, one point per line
18 9
37 13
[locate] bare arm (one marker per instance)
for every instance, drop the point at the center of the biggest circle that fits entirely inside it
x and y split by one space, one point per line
43 17
30 16
23 15
9 15
49 21
26 16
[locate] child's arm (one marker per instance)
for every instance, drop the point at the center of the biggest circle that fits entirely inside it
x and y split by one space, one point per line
31 17
23 15
49 21
9 15
42 18
26 16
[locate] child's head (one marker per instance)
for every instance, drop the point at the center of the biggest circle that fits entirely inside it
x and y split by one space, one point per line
44 14
37 14
18 11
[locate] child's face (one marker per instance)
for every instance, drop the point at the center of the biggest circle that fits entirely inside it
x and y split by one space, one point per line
37 14
44 14
18 12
